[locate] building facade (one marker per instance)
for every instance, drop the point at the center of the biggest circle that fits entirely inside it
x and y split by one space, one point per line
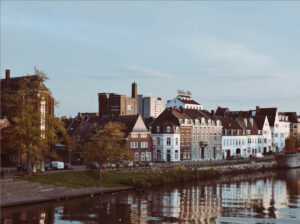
116 104
184 101
150 106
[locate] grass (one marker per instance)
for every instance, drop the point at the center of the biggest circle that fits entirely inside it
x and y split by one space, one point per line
81 179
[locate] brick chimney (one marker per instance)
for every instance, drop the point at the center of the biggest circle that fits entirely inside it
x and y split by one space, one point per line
212 112
7 74
257 108
134 90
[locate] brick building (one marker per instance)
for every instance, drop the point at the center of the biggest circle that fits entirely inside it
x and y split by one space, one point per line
116 104
11 85
138 138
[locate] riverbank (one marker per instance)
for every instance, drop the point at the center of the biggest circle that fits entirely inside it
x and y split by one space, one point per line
65 185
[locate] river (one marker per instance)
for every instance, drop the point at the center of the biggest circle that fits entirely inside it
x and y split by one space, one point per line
263 197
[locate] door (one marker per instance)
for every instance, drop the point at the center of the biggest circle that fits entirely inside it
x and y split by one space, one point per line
168 155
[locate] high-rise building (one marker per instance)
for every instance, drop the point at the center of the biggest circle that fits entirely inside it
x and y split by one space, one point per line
116 104
150 106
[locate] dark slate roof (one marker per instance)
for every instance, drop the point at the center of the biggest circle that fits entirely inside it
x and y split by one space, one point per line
292 116
260 120
197 114
189 101
269 112
128 121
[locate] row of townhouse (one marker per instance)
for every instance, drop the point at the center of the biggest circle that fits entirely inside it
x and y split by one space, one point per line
186 134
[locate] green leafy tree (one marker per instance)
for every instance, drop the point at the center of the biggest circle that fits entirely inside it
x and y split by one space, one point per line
26 134
290 143
107 145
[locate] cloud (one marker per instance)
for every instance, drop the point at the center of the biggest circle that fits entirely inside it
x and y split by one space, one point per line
147 72
228 55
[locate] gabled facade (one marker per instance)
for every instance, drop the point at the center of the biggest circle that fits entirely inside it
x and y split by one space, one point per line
245 137
138 138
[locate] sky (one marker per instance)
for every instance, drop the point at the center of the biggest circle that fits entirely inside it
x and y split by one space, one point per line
234 54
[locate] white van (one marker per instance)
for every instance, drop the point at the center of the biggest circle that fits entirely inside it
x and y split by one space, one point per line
57 165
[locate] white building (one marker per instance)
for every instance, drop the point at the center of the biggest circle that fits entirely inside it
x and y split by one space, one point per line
166 137
244 137
185 101
150 106
280 126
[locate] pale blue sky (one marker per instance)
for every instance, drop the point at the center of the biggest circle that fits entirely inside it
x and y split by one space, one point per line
234 54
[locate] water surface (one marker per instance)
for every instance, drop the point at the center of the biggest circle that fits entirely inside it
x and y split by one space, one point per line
264 197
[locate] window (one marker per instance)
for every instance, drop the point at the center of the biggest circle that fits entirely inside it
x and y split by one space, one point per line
144 145
168 141
248 132
249 140
182 142
265 140
143 135
148 156
157 129
129 107
168 129
134 145
176 140
158 141
276 135
281 135
142 156
188 132
176 154
136 156
134 135
182 132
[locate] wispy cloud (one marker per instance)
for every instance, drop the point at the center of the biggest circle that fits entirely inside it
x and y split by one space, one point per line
147 72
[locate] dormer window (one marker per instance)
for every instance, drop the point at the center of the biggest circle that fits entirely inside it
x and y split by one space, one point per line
168 129
157 129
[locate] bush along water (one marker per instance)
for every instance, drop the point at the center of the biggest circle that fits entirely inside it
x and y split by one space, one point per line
176 175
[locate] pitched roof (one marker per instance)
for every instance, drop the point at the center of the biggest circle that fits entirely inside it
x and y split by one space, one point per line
128 121
188 101
269 112
292 116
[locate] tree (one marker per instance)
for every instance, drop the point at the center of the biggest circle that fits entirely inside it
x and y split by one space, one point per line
33 132
107 145
290 143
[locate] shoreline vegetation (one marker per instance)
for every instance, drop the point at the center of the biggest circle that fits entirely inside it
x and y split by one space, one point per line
179 174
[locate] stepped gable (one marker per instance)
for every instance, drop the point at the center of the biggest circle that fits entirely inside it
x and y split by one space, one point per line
269 112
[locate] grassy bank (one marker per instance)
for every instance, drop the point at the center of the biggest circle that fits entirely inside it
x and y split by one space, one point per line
138 180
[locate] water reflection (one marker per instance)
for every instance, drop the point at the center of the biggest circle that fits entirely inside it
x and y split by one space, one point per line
270 197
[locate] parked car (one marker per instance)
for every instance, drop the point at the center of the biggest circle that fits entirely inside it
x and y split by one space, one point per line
145 164
93 165
68 166
57 165
21 167
48 166
120 164
113 165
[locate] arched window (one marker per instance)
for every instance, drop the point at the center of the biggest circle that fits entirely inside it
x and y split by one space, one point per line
168 129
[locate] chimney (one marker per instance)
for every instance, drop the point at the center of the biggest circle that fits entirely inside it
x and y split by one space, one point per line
7 74
212 112
134 90
257 108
